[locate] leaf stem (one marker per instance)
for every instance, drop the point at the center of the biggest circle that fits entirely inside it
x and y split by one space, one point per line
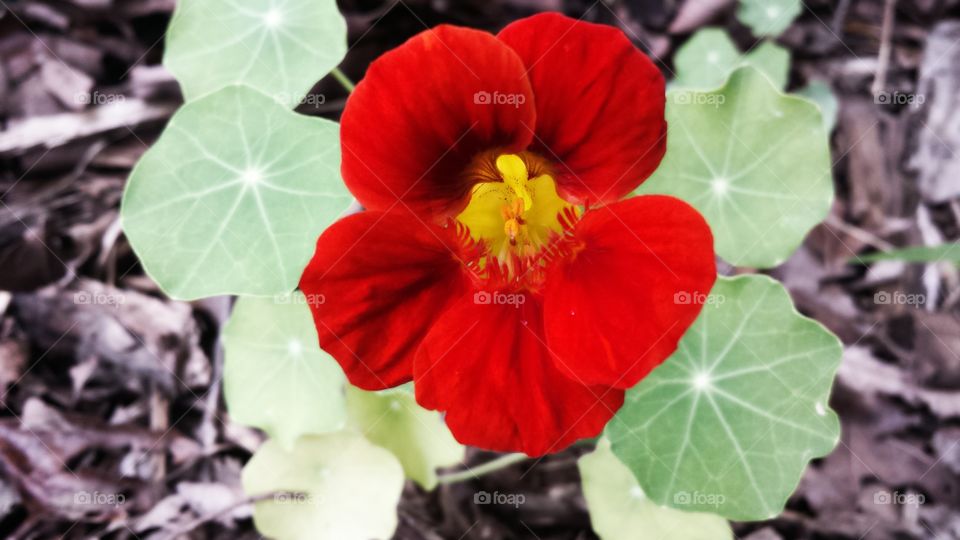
343 79
501 462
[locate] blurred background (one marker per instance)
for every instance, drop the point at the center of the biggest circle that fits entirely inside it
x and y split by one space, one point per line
122 397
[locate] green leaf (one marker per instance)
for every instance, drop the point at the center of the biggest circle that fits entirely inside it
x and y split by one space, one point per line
232 197
706 60
773 60
728 423
275 376
337 485
418 437
916 254
768 17
820 93
754 162
279 47
619 508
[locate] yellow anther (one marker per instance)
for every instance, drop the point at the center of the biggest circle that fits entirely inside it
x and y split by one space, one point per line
514 173
511 228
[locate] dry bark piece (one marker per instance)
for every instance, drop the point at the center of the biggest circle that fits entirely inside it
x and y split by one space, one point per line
70 87
937 157
693 15
51 131
862 372
144 340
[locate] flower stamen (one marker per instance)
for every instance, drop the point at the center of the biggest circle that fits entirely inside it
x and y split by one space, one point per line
527 208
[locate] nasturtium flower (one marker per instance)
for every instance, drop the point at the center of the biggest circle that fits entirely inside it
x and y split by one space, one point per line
497 263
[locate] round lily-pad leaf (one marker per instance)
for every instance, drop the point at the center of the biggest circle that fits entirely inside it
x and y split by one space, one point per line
727 424
753 161
418 437
619 507
768 17
275 376
706 60
280 47
336 485
232 197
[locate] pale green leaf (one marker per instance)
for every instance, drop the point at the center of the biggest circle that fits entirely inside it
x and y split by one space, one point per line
768 17
418 437
728 423
337 485
706 60
232 197
280 47
820 93
754 162
773 60
619 508
275 376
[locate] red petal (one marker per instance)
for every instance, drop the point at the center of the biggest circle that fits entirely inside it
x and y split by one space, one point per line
636 281
376 284
413 125
486 365
600 104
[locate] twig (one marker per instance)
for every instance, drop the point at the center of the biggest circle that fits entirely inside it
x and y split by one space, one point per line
159 422
886 36
839 17
863 235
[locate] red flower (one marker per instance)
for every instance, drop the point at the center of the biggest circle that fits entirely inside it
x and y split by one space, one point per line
494 265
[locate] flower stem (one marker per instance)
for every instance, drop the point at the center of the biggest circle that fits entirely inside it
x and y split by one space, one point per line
343 79
501 462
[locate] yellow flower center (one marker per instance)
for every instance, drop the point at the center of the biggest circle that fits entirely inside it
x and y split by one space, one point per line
516 215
